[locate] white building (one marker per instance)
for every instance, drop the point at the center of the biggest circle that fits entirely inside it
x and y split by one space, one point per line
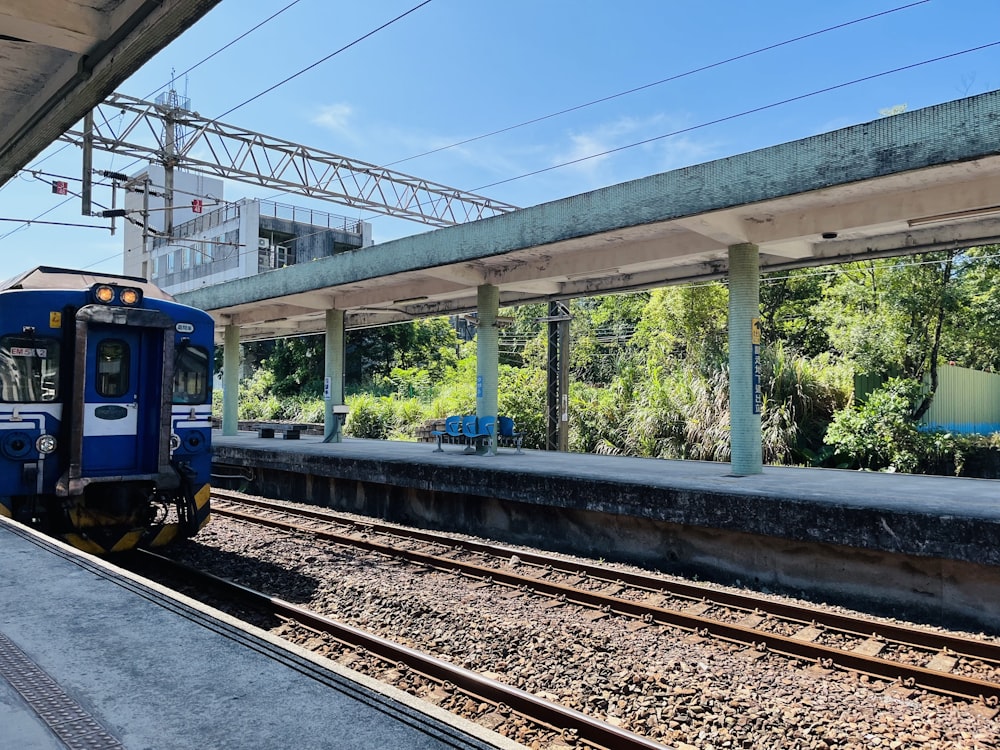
224 241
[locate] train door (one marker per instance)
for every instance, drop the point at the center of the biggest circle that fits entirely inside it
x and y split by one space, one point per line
121 395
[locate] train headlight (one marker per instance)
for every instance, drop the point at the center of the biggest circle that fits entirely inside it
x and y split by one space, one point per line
175 441
130 296
104 293
46 444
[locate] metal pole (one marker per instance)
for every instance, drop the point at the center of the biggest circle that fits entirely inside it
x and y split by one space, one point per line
88 163
557 378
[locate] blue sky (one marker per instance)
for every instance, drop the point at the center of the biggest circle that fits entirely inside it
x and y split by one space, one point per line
452 70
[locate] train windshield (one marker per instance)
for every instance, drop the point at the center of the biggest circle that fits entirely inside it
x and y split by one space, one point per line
29 368
190 375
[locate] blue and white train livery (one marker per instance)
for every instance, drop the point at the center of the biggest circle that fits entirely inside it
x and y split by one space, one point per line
105 409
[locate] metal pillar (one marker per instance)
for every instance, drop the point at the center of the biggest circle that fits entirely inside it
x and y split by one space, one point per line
231 380
333 389
744 359
557 380
487 353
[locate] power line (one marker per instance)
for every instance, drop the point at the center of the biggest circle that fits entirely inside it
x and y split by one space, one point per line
313 65
29 222
635 89
35 220
744 113
197 64
323 60
224 47
668 79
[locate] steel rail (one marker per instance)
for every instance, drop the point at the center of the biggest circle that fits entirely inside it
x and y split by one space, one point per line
588 729
862 627
907 674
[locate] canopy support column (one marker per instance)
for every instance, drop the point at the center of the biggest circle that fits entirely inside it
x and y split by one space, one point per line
334 412
487 354
744 359
231 380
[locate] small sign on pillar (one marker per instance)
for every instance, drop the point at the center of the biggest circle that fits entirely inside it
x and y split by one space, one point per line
758 394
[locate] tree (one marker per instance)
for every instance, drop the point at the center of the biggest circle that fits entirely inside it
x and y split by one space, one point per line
970 336
787 299
686 323
373 353
887 316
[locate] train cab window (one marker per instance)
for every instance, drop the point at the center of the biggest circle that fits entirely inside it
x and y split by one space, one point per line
29 369
112 368
190 375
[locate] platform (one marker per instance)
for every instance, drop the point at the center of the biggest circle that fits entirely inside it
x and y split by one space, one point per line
893 542
91 657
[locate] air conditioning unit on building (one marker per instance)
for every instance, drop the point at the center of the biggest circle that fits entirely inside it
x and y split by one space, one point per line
263 243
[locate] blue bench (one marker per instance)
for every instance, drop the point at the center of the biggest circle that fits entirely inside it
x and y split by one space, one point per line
508 433
452 430
478 431
475 432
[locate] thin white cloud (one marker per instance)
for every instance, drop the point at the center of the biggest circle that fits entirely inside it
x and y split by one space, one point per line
335 117
658 155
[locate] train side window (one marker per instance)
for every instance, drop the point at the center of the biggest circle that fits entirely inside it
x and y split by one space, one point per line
112 368
29 369
190 375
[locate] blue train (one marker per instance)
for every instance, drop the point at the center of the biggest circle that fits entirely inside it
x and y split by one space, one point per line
105 409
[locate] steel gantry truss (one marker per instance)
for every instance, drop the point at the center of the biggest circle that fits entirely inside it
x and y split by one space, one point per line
125 125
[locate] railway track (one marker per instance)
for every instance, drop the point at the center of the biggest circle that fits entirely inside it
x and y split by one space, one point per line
451 683
937 662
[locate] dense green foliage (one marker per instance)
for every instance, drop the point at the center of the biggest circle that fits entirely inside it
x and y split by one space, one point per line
648 371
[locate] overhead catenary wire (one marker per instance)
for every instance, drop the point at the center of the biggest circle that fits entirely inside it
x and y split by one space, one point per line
639 88
347 46
744 113
635 89
308 67
668 79
200 62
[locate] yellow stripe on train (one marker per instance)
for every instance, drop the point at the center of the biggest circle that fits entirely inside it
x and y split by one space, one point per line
165 535
201 496
82 543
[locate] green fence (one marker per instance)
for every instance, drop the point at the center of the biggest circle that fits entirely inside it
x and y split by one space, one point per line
967 401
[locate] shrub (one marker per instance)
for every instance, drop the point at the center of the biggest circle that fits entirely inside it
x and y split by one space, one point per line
369 417
880 433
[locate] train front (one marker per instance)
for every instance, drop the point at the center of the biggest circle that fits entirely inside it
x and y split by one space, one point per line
125 378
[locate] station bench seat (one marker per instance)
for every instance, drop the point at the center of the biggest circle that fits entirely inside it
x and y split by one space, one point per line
288 430
475 432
